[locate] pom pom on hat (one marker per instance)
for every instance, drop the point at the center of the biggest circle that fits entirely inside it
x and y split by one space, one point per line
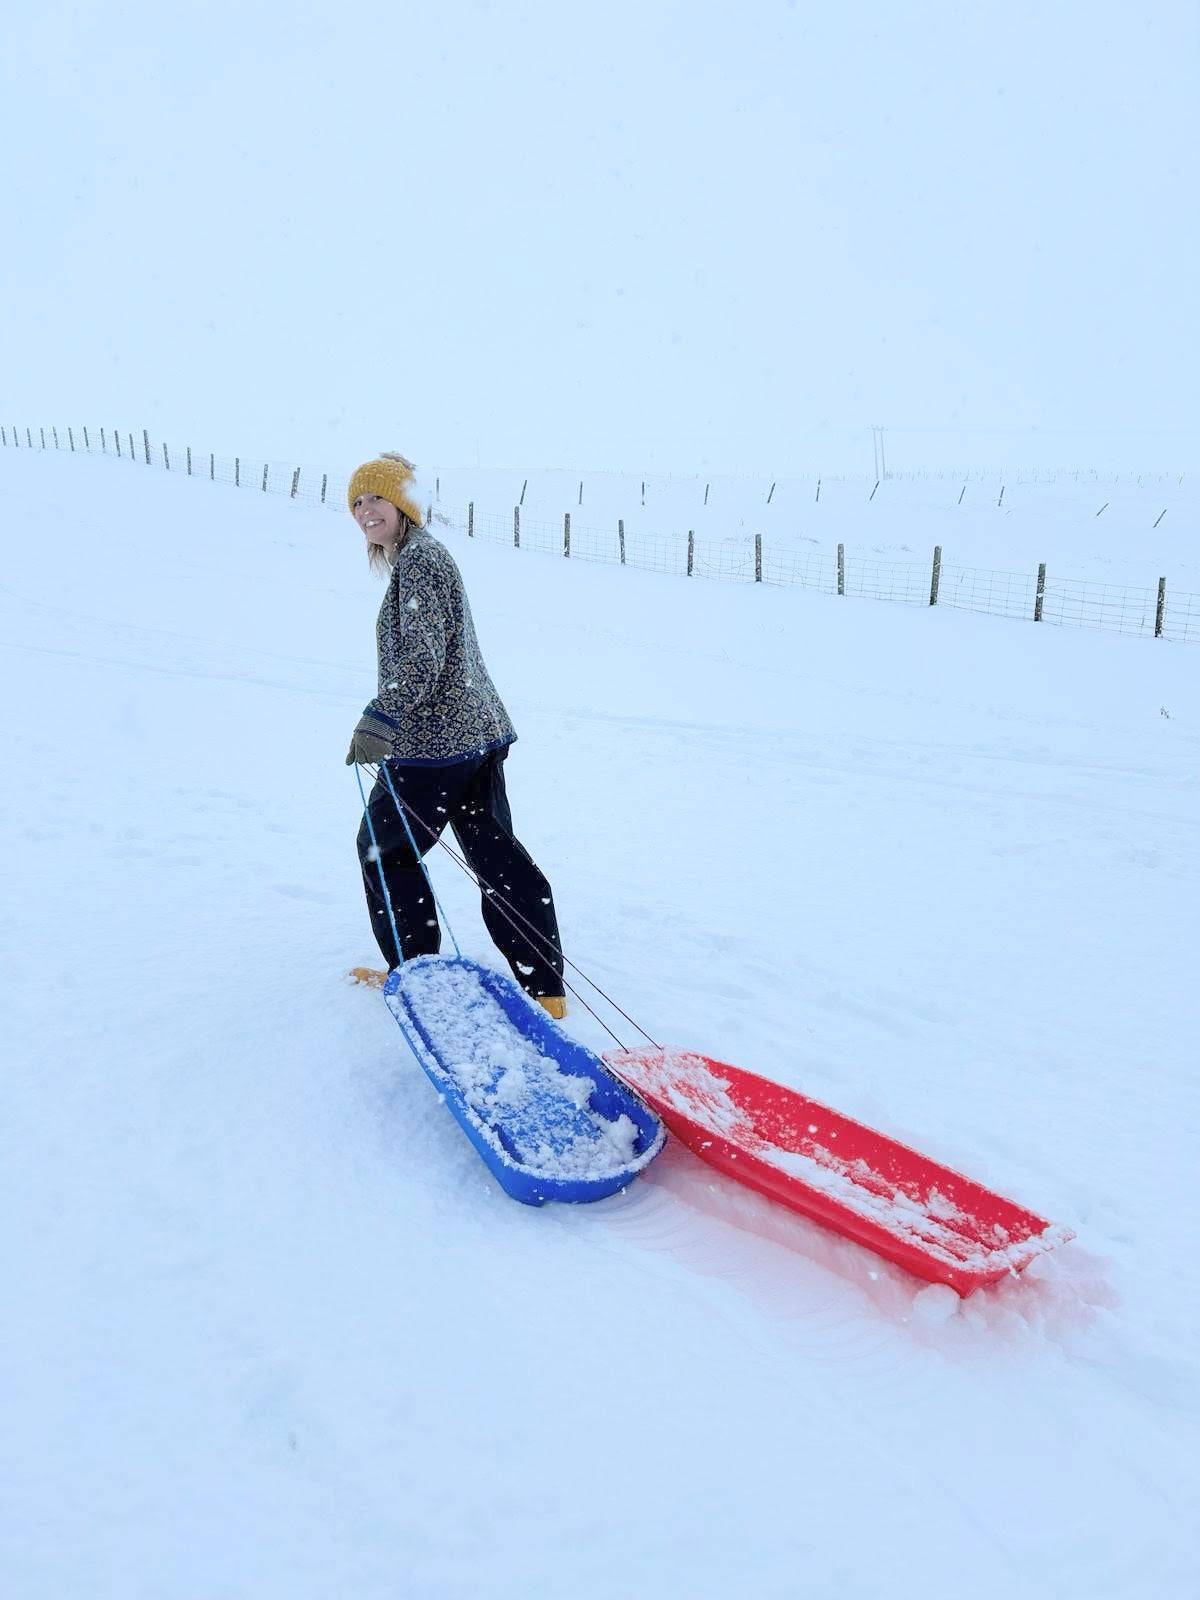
391 477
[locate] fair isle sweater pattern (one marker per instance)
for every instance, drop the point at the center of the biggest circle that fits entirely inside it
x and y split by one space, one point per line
435 697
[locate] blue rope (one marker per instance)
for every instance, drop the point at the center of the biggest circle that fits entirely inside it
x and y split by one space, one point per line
417 856
387 899
402 811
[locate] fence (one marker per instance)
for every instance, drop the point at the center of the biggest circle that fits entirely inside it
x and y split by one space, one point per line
1064 602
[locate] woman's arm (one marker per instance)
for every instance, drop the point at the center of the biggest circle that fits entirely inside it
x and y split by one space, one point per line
417 637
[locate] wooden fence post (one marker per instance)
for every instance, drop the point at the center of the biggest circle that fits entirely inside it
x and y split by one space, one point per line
524 486
117 437
324 482
166 457
581 491
517 526
841 559
54 431
295 482
937 574
42 432
621 538
131 455
758 558
87 445
567 534
470 519
146 443
691 550
189 460
29 438
237 472
212 466
71 438
264 487
1160 614
1041 592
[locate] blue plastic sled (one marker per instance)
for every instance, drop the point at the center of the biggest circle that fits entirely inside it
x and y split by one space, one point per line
546 1115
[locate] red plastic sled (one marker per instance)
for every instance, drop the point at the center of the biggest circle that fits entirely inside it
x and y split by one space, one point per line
926 1217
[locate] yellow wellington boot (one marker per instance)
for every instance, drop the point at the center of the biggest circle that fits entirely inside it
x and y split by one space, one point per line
369 976
555 1004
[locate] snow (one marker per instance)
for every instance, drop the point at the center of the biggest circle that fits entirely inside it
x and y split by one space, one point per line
935 1304
271 1329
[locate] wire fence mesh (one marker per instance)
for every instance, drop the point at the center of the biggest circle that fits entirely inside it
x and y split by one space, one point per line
1064 602
1071 603
998 594
906 581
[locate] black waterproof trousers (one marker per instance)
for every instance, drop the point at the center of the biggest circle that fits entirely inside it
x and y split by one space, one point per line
518 906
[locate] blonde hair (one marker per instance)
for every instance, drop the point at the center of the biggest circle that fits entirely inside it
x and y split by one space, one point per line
381 559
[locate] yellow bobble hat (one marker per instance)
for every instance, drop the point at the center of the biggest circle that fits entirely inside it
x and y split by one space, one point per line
391 477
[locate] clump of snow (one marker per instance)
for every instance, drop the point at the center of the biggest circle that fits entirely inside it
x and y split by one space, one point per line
935 1304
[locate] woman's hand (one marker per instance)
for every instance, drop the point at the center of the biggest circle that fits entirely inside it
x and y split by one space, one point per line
372 741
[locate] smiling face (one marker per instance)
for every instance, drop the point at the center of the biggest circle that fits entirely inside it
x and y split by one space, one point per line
379 520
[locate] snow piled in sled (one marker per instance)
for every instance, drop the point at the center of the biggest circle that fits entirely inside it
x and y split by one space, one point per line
933 1220
533 1112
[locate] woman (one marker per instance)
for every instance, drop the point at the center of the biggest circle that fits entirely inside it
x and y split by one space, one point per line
442 730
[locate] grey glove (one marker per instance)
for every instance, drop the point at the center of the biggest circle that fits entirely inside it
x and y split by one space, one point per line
372 741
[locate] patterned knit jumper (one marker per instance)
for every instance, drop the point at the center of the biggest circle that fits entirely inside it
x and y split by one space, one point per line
435 694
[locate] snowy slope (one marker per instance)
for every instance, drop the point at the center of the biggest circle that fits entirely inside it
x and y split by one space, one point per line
271 1330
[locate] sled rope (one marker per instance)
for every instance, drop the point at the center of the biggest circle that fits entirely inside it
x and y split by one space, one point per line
387 899
513 917
375 851
508 911
401 810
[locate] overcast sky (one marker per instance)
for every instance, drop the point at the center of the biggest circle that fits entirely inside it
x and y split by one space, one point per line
671 235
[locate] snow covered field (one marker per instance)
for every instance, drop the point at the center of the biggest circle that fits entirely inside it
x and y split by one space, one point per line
272 1333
